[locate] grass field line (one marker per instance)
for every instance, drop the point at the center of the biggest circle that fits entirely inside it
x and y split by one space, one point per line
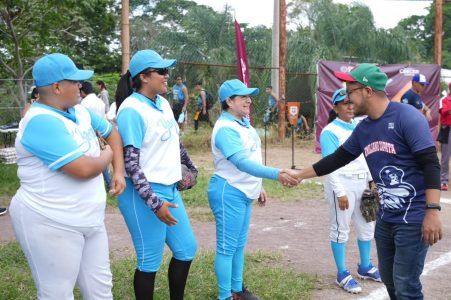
442 260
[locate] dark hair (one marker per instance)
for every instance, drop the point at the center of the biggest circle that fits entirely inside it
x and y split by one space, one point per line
86 87
34 94
101 83
269 87
199 82
127 85
224 104
177 76
332 116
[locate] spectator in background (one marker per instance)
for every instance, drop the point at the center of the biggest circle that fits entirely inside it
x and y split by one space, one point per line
203 101
272 101
413 96
180 100
103 94
34 98
444 138
90 100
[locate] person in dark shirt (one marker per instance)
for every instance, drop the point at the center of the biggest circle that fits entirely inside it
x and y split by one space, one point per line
413 97
403 162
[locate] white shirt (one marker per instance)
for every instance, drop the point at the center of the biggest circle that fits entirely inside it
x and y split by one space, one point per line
94 104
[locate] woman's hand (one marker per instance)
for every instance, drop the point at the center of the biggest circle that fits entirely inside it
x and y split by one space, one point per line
263 198
343 202
165 215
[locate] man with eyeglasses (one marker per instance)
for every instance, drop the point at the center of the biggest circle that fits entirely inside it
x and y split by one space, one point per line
403 162
413 96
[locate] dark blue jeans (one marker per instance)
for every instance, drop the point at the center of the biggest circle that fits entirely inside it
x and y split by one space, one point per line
401 252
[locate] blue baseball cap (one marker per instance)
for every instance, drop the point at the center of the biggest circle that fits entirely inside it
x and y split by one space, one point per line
338 96
145 59
235 87
420 78
55 67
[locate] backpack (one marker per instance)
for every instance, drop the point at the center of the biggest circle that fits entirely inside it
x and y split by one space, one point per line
209 99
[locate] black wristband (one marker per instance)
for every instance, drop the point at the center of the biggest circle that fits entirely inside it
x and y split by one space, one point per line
434 206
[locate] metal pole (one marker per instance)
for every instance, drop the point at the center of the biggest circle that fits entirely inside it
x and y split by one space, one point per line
292 148
265 143
282 60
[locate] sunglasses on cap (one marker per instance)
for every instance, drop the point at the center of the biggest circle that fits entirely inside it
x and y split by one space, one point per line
162 72
341 93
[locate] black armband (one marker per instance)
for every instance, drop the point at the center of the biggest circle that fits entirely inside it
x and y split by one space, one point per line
428 162
334 161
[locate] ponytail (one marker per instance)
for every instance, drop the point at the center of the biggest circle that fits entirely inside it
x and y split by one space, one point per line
332 116
124 89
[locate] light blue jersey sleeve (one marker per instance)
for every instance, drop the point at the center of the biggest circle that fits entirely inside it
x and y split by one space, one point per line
100 124
47 138
329 143
253 168
131 127
228 141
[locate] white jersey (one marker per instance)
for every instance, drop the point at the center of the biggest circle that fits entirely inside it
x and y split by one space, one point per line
44 187
156 133
250 185
94 104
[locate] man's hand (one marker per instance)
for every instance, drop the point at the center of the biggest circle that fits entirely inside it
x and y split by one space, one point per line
432 227
165 215
343 202
287 177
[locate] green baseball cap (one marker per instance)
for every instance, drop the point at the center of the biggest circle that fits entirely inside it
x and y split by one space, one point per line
366 74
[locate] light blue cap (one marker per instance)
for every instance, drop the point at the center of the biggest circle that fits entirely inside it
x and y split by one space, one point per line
339 96
235 87
148 59
55 67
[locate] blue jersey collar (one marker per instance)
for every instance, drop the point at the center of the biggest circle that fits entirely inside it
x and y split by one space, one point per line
148 101
70 114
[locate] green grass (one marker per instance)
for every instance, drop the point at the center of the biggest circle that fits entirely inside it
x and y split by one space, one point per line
265 274
9 182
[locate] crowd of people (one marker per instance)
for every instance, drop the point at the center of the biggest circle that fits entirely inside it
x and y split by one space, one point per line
63 149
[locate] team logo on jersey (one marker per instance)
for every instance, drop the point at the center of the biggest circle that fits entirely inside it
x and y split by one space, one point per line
394 193
391 125
168 126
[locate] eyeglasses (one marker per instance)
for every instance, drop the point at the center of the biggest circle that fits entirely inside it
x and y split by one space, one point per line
162 72
349 92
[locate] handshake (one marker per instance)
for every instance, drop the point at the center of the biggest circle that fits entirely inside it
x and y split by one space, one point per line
290 177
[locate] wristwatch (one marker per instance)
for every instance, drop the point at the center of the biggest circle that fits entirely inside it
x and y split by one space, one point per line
434 206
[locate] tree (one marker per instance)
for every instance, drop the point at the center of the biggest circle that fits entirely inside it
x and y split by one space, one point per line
84 30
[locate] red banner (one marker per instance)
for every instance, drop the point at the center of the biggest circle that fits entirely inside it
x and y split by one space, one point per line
241 58
400 78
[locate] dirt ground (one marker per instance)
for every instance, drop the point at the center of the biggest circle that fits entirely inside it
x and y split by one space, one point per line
299 231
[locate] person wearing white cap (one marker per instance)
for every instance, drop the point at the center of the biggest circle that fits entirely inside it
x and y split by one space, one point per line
58 211
343 190
151 204
413 95
236 183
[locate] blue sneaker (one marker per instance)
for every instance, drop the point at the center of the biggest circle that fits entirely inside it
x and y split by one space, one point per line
345 280
370 272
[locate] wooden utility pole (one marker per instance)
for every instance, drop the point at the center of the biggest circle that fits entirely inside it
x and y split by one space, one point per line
282 60
125 36
275 49
438 31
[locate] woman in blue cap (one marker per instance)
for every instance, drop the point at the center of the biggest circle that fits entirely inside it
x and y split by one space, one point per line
151 204
235 184
343 192
58 211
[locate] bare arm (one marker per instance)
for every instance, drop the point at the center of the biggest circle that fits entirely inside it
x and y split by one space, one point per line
185 93
204 102
86 167
117 181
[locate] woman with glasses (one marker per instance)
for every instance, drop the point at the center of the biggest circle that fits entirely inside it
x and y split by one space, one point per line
236 183
343 192
151 204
